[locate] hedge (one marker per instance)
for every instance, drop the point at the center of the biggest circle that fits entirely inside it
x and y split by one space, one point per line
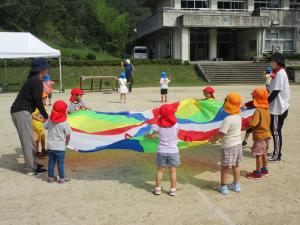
54 62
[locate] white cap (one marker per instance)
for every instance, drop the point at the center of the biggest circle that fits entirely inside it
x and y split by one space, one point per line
128 61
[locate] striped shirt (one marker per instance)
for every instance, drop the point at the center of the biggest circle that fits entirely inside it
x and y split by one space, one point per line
75 106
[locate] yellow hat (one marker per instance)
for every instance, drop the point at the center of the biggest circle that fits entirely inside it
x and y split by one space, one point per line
260 98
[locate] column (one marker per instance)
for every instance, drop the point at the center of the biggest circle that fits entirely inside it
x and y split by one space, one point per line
177 4
285 4
176 44
213 43
250 5
185 44
260 43
213 4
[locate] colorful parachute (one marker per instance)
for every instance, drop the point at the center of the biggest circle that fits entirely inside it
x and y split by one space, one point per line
95 131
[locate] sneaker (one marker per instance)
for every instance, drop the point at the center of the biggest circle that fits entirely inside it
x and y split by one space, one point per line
37 171
223 189
274 159
63 180
244 144
40 166
254 175
236 187
157 191
264 172
172 192
51 179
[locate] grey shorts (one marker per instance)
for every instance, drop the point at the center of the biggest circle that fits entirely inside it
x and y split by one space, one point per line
168 159
231 156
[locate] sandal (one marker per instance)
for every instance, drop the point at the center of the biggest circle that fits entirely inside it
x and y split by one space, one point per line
157 191
172 192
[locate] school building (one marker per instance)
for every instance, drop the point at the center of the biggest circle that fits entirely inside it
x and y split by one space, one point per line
197 30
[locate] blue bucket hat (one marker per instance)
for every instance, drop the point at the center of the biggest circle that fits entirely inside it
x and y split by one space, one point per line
122 75
47 77
39 64
268 70
163 74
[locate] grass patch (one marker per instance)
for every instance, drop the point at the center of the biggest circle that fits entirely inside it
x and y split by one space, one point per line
145 75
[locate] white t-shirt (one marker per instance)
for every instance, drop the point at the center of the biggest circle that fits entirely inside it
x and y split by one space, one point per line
168 139
280 83
122 83
231 127
164 83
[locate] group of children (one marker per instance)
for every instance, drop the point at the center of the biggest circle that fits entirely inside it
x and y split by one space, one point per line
166 129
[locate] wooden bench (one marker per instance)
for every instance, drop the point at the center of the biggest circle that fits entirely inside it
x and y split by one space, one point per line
113 80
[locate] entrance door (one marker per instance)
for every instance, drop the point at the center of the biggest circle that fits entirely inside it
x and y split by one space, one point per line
198 44
226 44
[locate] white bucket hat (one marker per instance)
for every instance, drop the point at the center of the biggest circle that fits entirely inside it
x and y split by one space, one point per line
128 61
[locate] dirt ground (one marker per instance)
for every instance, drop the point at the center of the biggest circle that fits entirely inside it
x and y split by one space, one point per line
114 187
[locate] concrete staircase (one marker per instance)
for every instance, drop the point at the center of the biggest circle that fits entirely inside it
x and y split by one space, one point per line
232 72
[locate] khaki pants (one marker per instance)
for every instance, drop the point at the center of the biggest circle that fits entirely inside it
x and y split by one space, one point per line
23 123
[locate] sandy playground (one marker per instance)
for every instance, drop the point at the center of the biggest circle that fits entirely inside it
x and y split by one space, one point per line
114 187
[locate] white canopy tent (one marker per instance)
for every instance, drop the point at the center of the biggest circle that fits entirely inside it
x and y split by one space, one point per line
20 45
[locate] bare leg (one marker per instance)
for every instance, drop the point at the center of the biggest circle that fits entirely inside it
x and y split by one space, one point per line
265 161
172 171
43 143
159 175
258 162
37 146
124 98
224 174
166 98
236 173
162 98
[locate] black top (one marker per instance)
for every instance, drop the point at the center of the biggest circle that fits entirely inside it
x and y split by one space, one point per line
30 97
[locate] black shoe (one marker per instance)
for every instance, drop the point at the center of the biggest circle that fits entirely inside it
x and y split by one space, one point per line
274 159
39 171
244 144
270 154
40 166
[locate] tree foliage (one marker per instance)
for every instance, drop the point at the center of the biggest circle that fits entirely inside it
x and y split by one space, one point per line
97 24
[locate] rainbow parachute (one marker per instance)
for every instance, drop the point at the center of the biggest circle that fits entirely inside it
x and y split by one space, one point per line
95 131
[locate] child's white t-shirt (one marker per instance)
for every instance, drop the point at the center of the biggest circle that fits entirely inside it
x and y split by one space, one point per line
280 83
122 84
231 127
164 83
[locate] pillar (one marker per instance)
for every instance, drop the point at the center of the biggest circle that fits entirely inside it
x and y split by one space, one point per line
285 4
250 5
177 4
213 44
176 44
260 43
213 4
185 44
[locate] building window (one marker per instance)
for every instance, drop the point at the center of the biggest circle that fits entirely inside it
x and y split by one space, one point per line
279 37
231 5
195 4
267 4
295 4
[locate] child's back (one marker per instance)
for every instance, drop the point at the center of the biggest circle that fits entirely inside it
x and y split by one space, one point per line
231 127
168 139
57 133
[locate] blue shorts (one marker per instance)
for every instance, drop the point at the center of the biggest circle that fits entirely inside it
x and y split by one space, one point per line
168 159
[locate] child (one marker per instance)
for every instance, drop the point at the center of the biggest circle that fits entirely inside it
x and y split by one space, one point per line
76 102
48 87
123 87
164 83
248 105
167 152
231 151
260 124
268 76
39 131
58 138
208 93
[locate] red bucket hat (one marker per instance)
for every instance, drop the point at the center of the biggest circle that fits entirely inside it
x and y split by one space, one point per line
74 92
209 90
167 116
59 112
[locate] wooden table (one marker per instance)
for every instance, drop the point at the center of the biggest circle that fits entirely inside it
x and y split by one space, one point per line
98 78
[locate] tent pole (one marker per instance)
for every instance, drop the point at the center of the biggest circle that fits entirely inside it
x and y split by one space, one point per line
6 79
60 76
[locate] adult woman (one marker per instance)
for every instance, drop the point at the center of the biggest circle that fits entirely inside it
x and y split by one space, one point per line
129 68
279 102
28 99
